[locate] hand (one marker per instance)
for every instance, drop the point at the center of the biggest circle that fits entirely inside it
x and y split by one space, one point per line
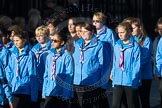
10 105
111 76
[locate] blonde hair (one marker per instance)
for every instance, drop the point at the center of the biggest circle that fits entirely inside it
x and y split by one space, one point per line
42 30
100 16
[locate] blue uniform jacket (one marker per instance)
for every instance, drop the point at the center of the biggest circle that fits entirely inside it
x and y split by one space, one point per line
41 55
10 45
131 74
89 70
155 44
107 35
109 38
146 61
159 58
4 87
61 85
4 55
23 76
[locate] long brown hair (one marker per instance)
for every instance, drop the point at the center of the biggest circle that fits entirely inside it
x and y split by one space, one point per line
137 22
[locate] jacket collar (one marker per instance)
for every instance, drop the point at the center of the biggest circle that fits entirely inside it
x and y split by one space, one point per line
37 47
92 43
130 44
1 46
63 48
103 30
24 52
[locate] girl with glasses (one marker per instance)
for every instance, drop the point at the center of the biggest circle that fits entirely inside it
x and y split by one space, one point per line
58 76
89 75
41 51
104 33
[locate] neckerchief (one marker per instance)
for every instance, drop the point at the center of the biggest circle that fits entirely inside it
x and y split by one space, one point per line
20 57
138 38
38 54
54 58
18 60
102 31
121 62
82 49
42 51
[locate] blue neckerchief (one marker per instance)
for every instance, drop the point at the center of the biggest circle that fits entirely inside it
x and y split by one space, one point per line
137 38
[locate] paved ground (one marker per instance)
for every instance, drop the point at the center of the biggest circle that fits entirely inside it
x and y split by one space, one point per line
155 96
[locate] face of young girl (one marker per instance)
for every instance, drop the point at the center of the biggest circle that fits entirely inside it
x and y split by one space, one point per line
159 27
97 23
56 42
12 34
86 35
51 28
19 43
136 30
71 26
123 34
78 31
41 38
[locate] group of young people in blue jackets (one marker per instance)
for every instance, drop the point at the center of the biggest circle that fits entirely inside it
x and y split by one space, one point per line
79 79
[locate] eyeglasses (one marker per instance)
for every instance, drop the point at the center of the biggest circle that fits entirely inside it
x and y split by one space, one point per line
96 21
55 41
40 36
